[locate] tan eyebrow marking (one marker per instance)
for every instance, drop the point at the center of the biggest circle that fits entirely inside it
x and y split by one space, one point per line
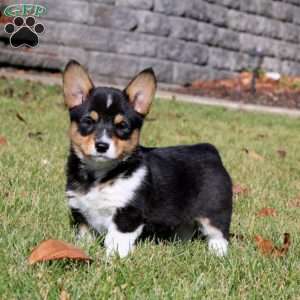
119 118
94 115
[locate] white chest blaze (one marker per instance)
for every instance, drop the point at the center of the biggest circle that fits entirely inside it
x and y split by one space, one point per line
99 204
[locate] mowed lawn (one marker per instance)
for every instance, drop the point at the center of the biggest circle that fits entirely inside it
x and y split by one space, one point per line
33 207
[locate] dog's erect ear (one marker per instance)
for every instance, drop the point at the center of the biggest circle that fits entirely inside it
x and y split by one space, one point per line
77 84
141 90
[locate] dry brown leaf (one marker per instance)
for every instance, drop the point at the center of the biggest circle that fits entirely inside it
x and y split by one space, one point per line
285 247
19 117
236 236
64 295
240 190
267 211
261 136
281 153
3 141
294 202
266 247
55 250
253 154
36 135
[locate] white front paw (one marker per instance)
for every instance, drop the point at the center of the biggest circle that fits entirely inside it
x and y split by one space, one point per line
125 249
120 245
218 246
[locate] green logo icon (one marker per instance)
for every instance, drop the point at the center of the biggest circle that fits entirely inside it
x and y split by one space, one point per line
16 10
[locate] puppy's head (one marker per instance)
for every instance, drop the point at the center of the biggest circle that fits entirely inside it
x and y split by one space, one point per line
106 122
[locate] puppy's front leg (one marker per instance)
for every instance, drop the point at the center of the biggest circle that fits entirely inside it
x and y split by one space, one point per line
125 227
82 230
121 243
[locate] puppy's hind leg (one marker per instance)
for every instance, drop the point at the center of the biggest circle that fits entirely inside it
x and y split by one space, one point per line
217 238
185 231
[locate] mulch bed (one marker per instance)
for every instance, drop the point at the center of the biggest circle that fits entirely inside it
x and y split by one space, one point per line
284 92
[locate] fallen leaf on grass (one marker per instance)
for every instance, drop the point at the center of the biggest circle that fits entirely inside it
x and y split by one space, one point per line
3 141
64 295
21 118
56 250
37 135
266 247
240 190
294 202
236 236
27 95
281 153
267 211
253 154
261 136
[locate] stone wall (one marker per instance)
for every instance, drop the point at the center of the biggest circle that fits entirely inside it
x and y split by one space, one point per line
183 40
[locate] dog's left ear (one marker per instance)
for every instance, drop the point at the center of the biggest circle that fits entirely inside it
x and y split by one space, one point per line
141 90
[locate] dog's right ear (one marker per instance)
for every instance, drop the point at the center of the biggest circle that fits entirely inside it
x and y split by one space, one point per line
77 84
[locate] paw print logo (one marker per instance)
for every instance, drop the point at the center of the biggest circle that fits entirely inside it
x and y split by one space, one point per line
24 32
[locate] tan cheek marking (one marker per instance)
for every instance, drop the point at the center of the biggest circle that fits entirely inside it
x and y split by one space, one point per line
118 119
84 144
125 147
94 115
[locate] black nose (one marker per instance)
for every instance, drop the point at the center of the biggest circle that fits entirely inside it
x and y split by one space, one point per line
102 147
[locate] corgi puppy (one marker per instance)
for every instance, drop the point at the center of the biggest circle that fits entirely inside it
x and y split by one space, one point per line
121 189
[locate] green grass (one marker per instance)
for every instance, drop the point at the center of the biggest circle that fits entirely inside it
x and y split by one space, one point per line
33 207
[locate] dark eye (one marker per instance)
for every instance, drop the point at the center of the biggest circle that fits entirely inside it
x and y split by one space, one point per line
123 129
122 125
87 125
